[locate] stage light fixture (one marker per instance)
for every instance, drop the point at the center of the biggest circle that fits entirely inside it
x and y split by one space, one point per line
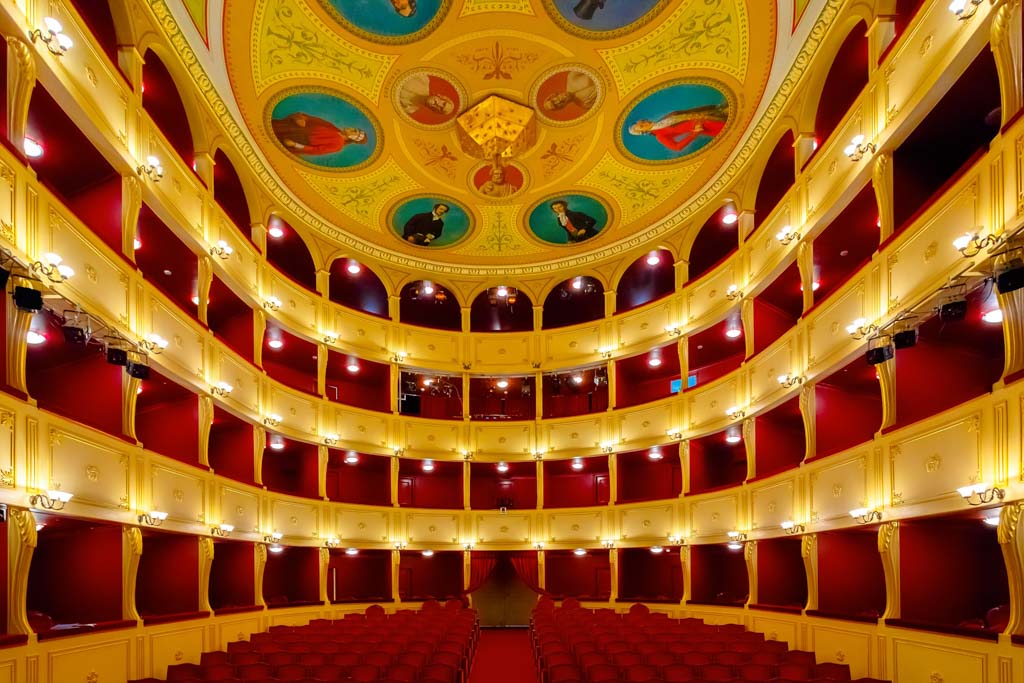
904 339
117 354
1010 276
27 299
880 349
137 368
953 311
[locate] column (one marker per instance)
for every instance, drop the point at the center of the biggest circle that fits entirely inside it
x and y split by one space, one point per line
260 564
612 385
259 444
203 286
681 268
609 303
1011 540
750 557
321 369
805 145
887 385
259 328
202 164
613 478
131 63
129 401
465 483
613 562
323 283
538 394
396 562
1012 305
541 570
538 318
466 318
750 447
808 412
540 484
258 235
684 560
805 265
882 32
322 454
325 565
395 380
394 307
18 323
22 540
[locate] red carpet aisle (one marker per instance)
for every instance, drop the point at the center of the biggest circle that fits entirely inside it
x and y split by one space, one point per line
503 656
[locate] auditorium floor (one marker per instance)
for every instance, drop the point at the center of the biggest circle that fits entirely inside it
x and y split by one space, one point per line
503 656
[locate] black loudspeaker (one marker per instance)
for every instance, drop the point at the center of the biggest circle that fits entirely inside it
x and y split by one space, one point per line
137 370
74 335
27 299
1011 279
410 404
5 275
953 311
879 354
904 339
116 356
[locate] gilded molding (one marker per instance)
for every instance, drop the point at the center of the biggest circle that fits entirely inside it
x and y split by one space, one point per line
131 206
21 79
22 540
882 183
1005 41
887 385
325 562
809 553
259 444
747 320
205 281
206 551
18 323
808 413
205 425
1012 545
260 564
1012 305
750 557
889 549
805 265
129 404
749 443
131 555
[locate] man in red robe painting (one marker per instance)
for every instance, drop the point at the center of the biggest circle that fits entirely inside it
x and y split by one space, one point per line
680 128
307 135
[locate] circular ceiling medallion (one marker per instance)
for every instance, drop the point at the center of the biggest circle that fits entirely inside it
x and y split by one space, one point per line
498 182
428 98
675 121
431 221
323 129
392 22
568 218
567 95
603 18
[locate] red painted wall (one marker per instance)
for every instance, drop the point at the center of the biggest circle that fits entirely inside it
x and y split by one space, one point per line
166 262
851 581
643 283
781 577
365 577
160 99
366 483
98 205
846 78
437 577
778 176
170 428
637 382
439 311
713 243
515 489
292 470
564 487
362 291
59 377
779 440
565 398
229 194
518 401
716 464
294 364
566 306
230 319
846 414
292 576
568 575
290 255
649 577
231 446
232 575
168 580
957 558
640 478
770 323
76 573
370 388
501 316
441 488
718 575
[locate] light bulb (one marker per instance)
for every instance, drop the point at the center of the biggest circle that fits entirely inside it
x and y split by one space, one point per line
577 464
577 379
276 548
733 332
428 287
351 458
730 217
655 453
275 344
428 465
653 259
995 316
428 553
654 361
502 384
35 338
577 283
276 232
138 245
33 150
276 442
502 291
657 549
352 366
353 268
579 552
352 551
503 467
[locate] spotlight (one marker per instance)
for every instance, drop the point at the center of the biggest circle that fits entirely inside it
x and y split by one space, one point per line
502 467
579 552
880 349
33 150
654 360
137 367
577 379
729 215
353 267
655 453
428 553
653 259
1010 277
733 435
428 465
904 339
952 311
734 332
352 366
275 343
577 464
275 231
502 384
351 551
34 338
502 291
351 458
276 442
28 299
116 354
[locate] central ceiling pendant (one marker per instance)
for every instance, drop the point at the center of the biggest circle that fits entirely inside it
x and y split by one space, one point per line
497 129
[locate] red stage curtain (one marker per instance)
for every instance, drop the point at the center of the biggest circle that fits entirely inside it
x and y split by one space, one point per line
481 564
525 565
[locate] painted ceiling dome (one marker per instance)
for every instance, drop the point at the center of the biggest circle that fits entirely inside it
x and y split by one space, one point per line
478 136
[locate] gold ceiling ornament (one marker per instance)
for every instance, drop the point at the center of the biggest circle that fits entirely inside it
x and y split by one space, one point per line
497 128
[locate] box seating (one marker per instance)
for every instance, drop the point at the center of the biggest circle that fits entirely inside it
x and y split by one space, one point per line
576 645
432 645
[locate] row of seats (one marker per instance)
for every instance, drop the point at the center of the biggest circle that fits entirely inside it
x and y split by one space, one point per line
576 645
433 645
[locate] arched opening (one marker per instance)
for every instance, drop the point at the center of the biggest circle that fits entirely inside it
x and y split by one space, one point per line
717 238
848 242
287 251
577 300
229 193
354 285
650 277
66 162
428 304
846 78
100 22
501 309
906 10
166 262
162 101
778 176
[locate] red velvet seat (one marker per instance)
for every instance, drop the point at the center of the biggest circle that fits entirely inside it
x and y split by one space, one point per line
640 673
218 672
253 672
327 672
660 659
437 672
403 672
717 672
239 646
243 658
626 659
276 659
364 673
795 672
563 674
381 660
756 672
599 673
678 673
183 672
290 672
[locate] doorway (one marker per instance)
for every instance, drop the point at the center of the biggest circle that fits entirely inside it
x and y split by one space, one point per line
504 600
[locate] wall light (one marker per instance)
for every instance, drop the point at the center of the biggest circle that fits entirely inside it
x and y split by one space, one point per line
734 332
352 365
577 283
787 234
222 250
736 535
653 258
272 303
605 352
276 442
733 292
734 545
729 215
675 539
992 520
970 244
468 545
866 515
607 447
657 550
733 435
353 267
787 380
223 530
981 494
791 527
964 9
276 548
538 546
736 413
332 542
675 434
53 37
398 357
273 537
152 518
860 328
52 269
502 291
608 543
272 420
502 384
51 499
351 458
275 231
152 169
221 388
329 338
153 343
858 148
577 379
674 330
654 359
331 439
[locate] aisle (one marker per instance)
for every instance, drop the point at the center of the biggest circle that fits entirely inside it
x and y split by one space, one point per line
503 656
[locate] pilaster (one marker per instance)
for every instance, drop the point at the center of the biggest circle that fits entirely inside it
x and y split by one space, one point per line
396 562
321 369
809 553
882 183
805 264
129 402
1005 42
259 566
205 282
322 453
808 412
395 462
18 323
259 444
466 468
1012 306
22 540
323 283
889 549
258 235
747 321
540 484
887 384
206 549
131 205
749 447
613 565
202 164
1011 541
613 478
205 425
609 303
325 565
750 557
131 554
21 79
